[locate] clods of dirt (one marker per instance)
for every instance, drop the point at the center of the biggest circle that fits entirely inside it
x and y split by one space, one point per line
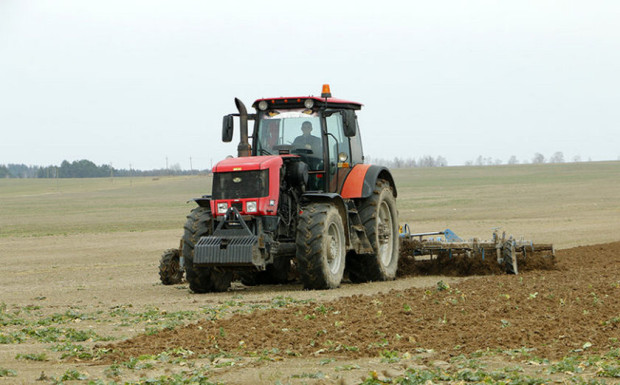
573 307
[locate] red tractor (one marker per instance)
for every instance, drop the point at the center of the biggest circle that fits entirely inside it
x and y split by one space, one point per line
297 198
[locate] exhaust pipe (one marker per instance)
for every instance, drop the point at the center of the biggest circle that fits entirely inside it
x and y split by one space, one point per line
243 149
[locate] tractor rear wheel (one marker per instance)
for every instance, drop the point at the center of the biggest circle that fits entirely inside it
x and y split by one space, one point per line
379 216
170 271
321 248
201 279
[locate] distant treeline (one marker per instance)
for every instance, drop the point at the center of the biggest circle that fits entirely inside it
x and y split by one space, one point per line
557 157
83 169
424 161
87 169
440 161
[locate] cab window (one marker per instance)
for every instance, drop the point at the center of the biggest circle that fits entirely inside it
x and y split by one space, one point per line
357 154
338 143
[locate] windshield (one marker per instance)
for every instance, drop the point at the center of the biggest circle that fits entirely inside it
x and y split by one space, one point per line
298 128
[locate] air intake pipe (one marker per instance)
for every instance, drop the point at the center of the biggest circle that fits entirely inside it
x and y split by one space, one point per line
243 149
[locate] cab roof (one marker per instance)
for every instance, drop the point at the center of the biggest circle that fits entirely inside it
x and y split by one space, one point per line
298 102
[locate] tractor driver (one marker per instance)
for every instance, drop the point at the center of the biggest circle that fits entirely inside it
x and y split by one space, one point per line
308 141
310 149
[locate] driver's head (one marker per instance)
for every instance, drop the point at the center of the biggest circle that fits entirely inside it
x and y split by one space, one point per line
306 128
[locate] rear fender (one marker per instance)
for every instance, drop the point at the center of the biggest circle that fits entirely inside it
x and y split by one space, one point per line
334 199
362 179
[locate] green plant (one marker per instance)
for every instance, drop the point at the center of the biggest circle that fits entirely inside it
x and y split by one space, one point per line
32 357
317 375
567 364
12 338
7 372
442 286
72 374
389 356
323 309
346 367
608 370
113 371
138 363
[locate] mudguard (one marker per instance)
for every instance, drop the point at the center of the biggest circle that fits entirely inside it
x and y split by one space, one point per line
361 181
205 201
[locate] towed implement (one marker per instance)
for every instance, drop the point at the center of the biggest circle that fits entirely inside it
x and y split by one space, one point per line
439 251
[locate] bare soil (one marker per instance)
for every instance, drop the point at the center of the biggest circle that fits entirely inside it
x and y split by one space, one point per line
557 311
313 337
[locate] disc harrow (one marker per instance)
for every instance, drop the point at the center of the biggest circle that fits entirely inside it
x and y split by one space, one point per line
509 253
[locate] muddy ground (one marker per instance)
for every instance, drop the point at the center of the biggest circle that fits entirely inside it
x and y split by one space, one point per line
91 313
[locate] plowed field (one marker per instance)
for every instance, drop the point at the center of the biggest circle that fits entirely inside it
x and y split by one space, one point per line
555 312
81 301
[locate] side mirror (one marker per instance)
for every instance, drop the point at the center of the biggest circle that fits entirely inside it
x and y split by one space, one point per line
349 123
227 128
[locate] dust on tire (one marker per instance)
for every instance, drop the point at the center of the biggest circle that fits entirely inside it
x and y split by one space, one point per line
379 216
321 246
170 271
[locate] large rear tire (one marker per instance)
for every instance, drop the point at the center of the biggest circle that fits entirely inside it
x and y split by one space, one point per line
379 216
321 247
201 279
170 271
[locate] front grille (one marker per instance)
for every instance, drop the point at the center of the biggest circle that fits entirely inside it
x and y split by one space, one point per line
240 184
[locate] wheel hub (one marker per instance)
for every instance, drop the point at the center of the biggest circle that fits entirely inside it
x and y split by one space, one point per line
334 251
384 233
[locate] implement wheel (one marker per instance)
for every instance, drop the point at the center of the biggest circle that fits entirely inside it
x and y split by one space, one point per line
379 216
321 246
201 279
170 271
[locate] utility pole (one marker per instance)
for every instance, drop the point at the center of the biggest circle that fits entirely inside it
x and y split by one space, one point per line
191 169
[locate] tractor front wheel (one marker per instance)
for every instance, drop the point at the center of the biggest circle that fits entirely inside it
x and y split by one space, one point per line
170 271
321 246
379 216
201 279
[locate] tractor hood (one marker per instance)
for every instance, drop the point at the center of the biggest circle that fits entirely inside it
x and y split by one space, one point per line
248 163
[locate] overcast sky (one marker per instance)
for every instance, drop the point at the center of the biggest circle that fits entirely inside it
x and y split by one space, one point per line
136 82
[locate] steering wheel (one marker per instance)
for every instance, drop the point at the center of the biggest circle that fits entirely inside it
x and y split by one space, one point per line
302 151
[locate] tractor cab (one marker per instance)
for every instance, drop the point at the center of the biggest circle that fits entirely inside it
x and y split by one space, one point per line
322 131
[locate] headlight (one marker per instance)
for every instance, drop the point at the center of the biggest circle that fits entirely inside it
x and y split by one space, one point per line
308 103
250 207
222 207
262 105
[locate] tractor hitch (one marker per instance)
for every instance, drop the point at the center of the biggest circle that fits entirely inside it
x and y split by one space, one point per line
232 244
